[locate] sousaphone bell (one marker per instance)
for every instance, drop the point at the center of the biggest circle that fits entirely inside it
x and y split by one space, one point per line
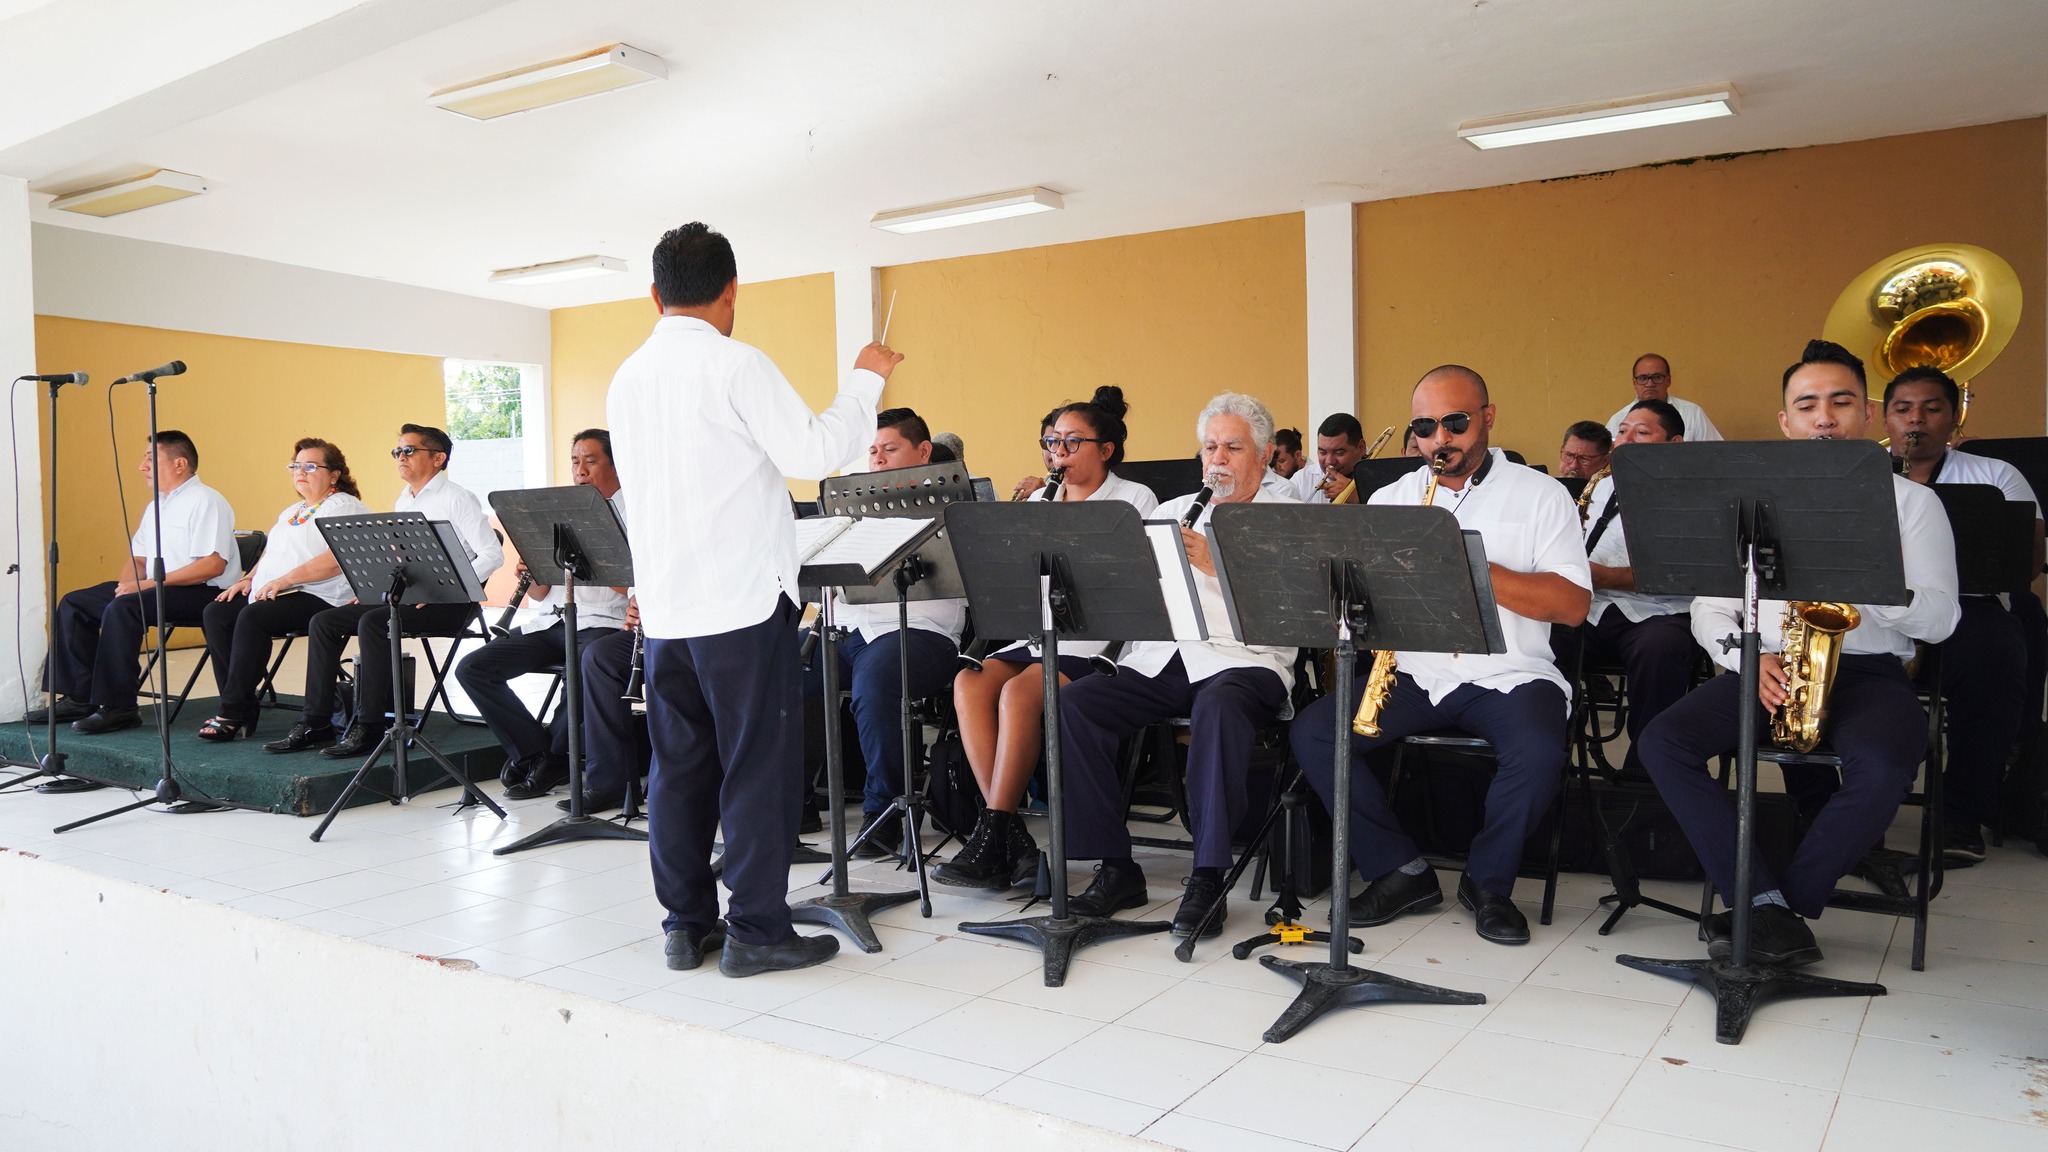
1952 307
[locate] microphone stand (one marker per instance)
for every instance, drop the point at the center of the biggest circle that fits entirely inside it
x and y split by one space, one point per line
52 762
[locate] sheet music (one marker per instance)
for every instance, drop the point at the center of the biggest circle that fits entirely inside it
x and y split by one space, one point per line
869 542
815 532
1176 580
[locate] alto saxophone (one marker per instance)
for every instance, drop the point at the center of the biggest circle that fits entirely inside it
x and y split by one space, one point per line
1813 647
1586 493
1379 683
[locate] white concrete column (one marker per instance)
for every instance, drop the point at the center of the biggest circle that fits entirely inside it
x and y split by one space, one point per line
1329 241
21 592
855 324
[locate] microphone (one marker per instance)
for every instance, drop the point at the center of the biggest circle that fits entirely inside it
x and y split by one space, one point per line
1194 511
59 378
174 368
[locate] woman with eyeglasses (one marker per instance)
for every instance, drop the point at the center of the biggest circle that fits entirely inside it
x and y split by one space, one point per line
296 578
1000 708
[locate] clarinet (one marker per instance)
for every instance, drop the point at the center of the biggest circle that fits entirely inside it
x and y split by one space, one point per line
1194 512
636 691
504 625
1052 484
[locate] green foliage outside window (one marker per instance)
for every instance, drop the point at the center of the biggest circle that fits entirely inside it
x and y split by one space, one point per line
483 402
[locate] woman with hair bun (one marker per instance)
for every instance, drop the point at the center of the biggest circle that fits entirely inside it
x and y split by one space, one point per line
1000 708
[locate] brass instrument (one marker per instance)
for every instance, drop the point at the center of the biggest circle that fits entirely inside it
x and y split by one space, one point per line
1813 647
1904 460
1379 683
1952 307
1386 434
1586 493
1350 493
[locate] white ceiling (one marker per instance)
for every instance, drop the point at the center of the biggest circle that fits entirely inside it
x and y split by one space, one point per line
787 125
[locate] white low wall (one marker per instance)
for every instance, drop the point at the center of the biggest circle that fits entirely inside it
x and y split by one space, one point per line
132 1018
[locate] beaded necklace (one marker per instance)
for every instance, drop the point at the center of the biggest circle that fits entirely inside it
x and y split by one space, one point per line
306 513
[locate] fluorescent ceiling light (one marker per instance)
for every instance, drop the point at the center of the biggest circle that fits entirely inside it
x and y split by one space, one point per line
1593 119
972 210
556 82
159 187
581 268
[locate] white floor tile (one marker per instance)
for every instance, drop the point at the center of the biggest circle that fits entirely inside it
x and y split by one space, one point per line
414 941
341 924
1144 1067
946 1072
1327 1107
1582 1019
1861 1124
1991 1084
414 903
1075 1104
689 1009
763 993
1770 1050
969 964
1178 1130
494 920
1000 1035
1615 1138
345 889
1451 946
870 1006
1211 1013
277 875
2000 981
1095 991
1431 1120
1955 1022
1535 1073
1372 1040
1740 1111
501 963
803 1037
567 941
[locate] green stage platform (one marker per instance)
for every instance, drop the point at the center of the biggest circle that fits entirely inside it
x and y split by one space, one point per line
301 784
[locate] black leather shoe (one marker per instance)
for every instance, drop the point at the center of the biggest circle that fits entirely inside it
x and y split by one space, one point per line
984 860
67 711
1777 936
887 839
737 959
1395 894
359 740
1963 844
1717 930
811 821
107 720
685 949
1202 895
544 773
1496 917
1112 891
301 738
597 801
1023 853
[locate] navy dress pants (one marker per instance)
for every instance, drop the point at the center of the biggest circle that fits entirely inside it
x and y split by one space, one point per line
725 714
1984 681
1224 715
615 745
1658 654
93 656
327 638
869 669
1527 728
487 674
1875 724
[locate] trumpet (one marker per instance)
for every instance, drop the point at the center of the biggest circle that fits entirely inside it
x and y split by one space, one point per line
1379 683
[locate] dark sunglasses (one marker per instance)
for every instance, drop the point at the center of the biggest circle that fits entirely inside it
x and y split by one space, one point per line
1423 427
405 451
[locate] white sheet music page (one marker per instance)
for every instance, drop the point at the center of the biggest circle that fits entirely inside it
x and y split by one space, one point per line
868 542
816 532
1176 580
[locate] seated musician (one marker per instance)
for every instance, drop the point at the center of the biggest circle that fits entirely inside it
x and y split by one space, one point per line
1287 454
93 673
1228 690
296 579
1001 705
1651 378
1030 484
1340 443
617 749
540 755
1518 702
1649 636
1584 451
868 656
422 455
1984 662
1875 722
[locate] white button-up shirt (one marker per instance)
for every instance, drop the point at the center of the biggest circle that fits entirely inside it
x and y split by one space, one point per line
444 499
1530 524
1697 426
1611 551
1222 651
1930 562
290 545
596 605
1307 482
705 429
1113 487
197 523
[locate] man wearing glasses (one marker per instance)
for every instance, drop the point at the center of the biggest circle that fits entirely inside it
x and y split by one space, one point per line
1653 382
422 455
1517 701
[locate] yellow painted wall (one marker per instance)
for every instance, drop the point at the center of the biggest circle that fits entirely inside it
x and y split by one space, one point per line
1727 266
993 342
243 402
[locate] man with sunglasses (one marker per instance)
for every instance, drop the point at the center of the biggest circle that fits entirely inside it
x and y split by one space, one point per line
1652 378
1517 701
422 456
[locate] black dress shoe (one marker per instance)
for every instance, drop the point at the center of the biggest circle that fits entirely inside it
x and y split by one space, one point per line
597 801
359 740
1023 853
984 860
302 737
544 773
1963 844
1202 895
737 959
1717 930
685 948
67 711
811 821
1395 894
887 839
1112 891
107 720
1496 917
1777 936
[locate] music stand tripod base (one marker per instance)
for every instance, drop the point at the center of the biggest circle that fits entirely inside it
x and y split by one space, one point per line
1059 938
1324 988
849 912
1738 991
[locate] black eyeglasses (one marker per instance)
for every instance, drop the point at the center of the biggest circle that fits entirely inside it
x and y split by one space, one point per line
1067 445
1423 427
1652 377
405 451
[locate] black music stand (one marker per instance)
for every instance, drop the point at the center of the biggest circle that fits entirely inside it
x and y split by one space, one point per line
2028 454
928 573
1994 538
1794 520
842 908
1084 570
579 533
1309 576
413 560
1167 479
1373 475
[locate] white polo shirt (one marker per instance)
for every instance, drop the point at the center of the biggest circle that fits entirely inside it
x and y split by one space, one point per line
197 523
444 499
290 545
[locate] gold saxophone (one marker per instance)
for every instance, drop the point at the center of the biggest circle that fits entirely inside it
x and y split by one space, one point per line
1379 683
1586 493
1813 646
